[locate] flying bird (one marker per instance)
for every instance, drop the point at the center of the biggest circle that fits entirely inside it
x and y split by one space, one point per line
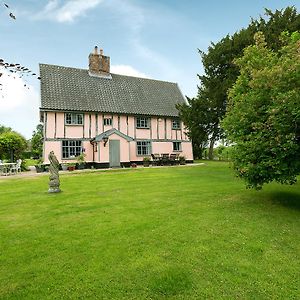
12 16
6 5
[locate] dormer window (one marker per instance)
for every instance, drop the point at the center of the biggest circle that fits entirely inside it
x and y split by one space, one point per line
73 119
142 122
176 124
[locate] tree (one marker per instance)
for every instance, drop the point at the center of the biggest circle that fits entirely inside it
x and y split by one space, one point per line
263 115
37 141
12 145
4 129
220 73
197 126
13 69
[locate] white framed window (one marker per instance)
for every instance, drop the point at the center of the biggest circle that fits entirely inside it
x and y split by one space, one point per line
142 122
177 146
71 149
73 119
176 124
143 147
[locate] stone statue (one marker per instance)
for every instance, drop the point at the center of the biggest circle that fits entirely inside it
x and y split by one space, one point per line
54 176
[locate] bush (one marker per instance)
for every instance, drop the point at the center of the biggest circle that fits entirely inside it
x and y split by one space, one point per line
12 145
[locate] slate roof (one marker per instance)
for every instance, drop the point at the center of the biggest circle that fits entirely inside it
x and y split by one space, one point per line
72 89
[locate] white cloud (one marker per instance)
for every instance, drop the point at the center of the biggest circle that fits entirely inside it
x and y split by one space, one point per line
131 14
127 70
136 18
66 11
18 104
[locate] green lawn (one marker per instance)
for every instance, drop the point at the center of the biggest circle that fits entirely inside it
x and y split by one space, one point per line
153 233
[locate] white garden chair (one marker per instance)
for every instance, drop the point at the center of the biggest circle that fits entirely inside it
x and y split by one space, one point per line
17 168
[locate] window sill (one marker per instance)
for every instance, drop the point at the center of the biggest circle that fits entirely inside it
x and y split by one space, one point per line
73 124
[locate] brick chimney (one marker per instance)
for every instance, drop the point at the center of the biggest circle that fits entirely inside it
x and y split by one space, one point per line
99 64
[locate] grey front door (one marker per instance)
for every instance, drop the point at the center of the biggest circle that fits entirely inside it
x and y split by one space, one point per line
114 153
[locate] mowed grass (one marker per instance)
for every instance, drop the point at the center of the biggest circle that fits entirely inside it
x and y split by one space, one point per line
154 233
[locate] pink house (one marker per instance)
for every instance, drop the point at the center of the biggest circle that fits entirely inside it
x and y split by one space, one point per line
114 119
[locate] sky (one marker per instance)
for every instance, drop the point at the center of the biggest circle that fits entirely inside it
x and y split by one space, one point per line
156 39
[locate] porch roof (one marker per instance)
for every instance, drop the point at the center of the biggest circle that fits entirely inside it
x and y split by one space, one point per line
109 132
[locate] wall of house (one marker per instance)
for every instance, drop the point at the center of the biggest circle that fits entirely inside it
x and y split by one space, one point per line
52 146
160 134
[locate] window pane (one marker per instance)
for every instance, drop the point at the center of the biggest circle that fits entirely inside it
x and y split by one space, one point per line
142 122
71 148
79 119
143 147
176 124
176 146
74 119
68 119
107 121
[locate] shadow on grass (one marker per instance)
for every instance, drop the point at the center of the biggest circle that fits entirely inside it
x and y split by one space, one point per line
287 199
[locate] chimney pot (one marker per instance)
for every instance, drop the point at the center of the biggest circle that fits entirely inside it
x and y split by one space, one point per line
101 51
96 50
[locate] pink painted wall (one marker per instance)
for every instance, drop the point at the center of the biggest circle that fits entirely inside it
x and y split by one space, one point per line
123 124
74 131
93 125
50 128
154 128
187 150
161 128
60 120
100 122
88 150
162 147
143 134
131 125
104 152
52 146
91 129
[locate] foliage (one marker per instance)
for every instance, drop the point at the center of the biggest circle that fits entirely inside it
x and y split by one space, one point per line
12 145
209 107
4 129
81 158
39 162
148 233
195 119
182 159
263 118
71 164
31 162
37 141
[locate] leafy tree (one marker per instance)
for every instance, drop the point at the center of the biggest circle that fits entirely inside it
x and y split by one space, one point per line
197 127
4 129
263 117
37 141
12 145
220 73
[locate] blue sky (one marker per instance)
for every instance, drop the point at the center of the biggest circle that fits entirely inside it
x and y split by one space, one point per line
155 39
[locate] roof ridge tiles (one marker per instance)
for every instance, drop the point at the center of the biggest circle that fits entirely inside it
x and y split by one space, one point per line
123 75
